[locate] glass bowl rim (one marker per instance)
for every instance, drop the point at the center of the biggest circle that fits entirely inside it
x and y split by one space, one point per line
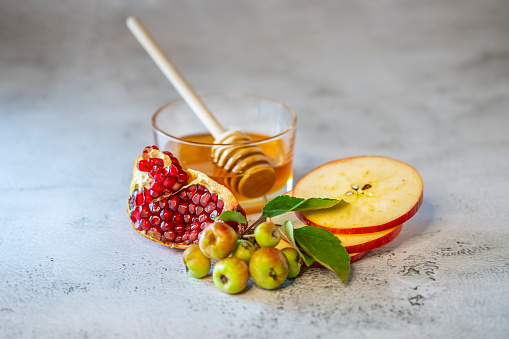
228 95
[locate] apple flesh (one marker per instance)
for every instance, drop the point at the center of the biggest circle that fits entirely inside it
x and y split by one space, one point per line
382 193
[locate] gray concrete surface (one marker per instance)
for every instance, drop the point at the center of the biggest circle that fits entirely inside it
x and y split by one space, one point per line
425 82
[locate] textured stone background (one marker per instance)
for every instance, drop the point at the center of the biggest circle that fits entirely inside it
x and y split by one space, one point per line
426 82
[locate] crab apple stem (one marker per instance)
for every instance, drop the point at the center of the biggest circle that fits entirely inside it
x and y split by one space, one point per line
256 223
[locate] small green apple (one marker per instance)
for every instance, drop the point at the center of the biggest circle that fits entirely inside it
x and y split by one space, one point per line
244 250
218 240
268 267
231 275
196 262
267 234
294 261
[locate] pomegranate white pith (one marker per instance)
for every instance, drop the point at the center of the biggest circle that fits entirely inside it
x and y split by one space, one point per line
172 206
382 193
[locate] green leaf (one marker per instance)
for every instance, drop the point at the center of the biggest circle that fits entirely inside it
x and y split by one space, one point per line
284 203
232 216
325 248
287 232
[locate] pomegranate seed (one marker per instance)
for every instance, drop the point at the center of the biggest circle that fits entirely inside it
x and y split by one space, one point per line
164 203
196 198
155 233
135 215
178 218
185 236
179 228
175 161
204 218
167 226
195 226
183 207
204 225
156 162
174 202
146 197
193 236
171 170
159 177
168 153
187 219
199 210
170 235
153 172
182 177
157 186
178 238
155 147
205 199
139 198
210 207
214 214
192 208
155 194
155 220
143 166
166 214
145 211
176 187
155 207
138 226
132 199
183 195
145 224
201 188
220 204
169 181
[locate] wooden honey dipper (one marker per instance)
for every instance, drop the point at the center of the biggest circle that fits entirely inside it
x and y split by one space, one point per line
253 174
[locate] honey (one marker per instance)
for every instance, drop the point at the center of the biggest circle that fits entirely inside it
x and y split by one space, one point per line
197 155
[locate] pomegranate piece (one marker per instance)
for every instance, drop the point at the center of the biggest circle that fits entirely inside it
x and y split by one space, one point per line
172 206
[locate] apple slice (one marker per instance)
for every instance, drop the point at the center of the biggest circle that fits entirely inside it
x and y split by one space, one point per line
353 243
382 193
356 256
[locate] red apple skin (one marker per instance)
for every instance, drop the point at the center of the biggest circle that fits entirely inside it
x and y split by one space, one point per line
371 245
367 229
357 256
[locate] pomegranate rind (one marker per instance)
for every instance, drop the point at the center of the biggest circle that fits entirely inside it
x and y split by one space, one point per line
195 177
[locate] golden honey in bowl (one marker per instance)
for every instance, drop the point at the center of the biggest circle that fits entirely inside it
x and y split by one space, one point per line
198 156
